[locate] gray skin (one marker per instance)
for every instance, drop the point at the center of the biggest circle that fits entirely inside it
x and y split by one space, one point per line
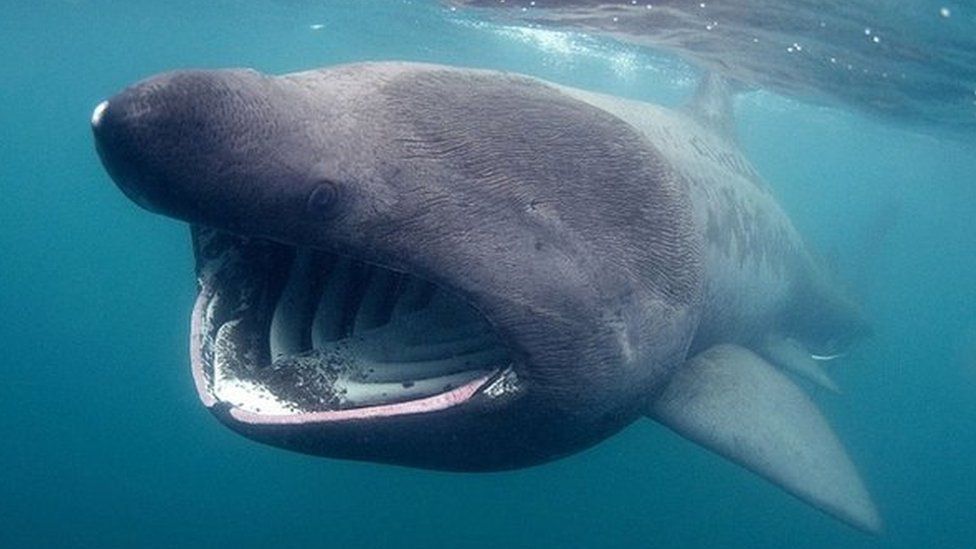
606 241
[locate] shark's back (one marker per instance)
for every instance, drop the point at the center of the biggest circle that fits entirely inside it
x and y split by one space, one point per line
754 258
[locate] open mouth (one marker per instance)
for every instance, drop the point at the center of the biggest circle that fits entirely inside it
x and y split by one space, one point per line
286 334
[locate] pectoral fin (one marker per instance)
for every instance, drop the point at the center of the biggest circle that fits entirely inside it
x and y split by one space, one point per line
734 403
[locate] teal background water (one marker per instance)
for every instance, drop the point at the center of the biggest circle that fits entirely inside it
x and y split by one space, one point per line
103 442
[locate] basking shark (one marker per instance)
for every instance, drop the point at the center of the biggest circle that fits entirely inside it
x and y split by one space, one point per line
473 270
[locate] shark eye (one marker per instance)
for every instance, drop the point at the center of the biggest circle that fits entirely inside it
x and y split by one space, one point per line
323 197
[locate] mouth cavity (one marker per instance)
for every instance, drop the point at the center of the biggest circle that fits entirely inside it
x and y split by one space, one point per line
284 334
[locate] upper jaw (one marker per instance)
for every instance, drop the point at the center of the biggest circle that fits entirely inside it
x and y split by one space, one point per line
275 342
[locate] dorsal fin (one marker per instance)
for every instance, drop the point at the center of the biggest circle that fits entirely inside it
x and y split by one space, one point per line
712 105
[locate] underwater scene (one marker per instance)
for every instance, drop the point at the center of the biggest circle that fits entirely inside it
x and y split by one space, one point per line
488 273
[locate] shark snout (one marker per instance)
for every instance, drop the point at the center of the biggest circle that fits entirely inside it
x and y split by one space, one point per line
153 137
113 123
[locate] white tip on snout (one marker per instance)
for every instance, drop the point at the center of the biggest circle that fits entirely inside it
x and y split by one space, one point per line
98 112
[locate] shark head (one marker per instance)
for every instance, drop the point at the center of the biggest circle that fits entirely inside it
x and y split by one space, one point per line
414 264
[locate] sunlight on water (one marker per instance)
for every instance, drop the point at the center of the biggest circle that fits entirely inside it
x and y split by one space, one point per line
562 47
907 61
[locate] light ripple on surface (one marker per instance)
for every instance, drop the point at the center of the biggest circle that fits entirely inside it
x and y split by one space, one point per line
909 61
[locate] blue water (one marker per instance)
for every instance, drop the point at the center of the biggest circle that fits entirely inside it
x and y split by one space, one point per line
104 442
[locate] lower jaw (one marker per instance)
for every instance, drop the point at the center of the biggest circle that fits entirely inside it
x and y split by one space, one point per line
286 335
435 403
